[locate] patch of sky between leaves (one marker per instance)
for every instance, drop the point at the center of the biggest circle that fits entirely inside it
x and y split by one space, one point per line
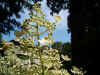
60 34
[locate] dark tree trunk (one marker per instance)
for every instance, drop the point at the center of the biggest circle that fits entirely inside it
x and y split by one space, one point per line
84 23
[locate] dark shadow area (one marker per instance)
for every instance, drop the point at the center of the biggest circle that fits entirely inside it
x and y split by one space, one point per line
84 25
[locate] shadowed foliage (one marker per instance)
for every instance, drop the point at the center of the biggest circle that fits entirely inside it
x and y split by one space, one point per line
66 49
84 24
9 13
58 46
8 8
57 5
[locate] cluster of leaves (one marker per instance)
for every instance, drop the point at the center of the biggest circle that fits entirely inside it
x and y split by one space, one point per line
25 55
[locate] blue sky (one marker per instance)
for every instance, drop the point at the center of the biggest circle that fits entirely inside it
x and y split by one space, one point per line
60 34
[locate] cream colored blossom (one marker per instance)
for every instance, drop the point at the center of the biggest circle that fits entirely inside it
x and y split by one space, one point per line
66 57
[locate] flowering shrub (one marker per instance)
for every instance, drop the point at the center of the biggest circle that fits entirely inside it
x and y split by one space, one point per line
25 55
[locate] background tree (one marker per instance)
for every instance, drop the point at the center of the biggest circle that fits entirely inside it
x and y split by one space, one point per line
57 5
9 9
58 46
66 49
